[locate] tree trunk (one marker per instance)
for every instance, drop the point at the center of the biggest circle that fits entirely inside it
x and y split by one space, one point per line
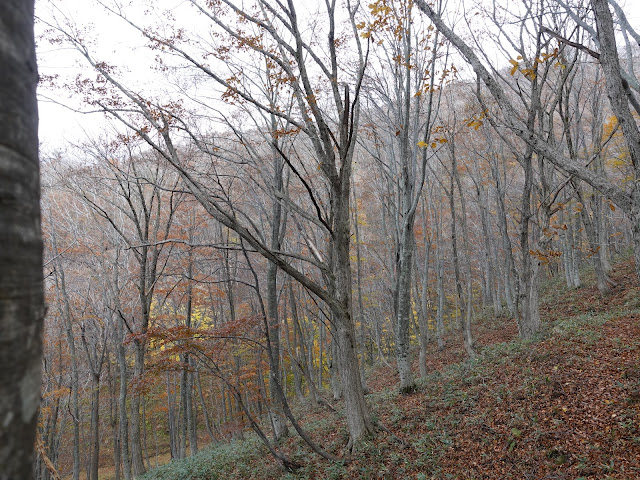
490 291
403 311
573 236
334 369
113 418
205 410
293 350
462 301
439 284
122 400
529 319
65 311
137 461
423 319
95 427
603 282
182 412
21 287
356 227
278 420
509 268
635 231
357 413
192 417
305 361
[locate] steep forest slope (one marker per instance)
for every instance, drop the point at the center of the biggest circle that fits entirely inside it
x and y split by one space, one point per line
563 406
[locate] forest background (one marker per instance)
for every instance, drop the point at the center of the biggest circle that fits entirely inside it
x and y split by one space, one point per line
281 196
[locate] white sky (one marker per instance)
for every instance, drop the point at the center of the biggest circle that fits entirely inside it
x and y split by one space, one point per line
119 43
113 41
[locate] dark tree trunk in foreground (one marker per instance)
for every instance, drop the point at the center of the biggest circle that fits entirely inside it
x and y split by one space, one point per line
21 290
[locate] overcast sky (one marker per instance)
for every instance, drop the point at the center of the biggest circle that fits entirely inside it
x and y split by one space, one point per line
116 41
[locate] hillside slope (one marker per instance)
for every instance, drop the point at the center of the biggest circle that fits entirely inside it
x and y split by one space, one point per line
566 406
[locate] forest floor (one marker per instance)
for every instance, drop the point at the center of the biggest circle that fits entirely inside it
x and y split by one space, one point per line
564 406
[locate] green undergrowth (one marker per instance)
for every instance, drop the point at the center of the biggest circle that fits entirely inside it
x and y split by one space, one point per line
220 461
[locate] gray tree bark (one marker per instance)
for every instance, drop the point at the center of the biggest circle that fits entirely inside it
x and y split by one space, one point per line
123 416
620 95
303 352
509 273
439 280
423 320
64 308
21 285
410 118
95 360
463 301
278 225
362 342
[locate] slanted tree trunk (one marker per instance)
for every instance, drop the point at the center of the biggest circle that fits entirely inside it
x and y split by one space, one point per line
333 150
619 95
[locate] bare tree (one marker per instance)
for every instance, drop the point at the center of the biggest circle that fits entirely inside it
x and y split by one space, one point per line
326 112
404 108
621 96
139 207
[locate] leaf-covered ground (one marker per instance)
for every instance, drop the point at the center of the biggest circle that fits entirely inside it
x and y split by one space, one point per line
565 406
